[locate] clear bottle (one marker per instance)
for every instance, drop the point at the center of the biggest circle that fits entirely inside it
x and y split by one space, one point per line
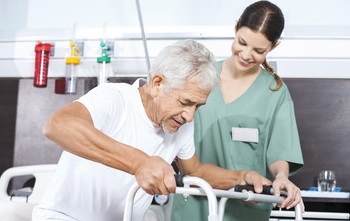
72 64
104 62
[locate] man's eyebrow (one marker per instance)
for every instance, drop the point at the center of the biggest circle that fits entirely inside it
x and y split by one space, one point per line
201 104
188 101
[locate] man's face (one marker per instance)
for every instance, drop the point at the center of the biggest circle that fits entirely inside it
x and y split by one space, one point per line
178 107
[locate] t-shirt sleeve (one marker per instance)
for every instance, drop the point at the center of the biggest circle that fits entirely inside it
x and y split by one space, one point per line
285 143
185 141
104 103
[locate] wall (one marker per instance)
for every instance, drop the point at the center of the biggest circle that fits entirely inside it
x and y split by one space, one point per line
316 43
322 109
38 14
34 106
8 110
23 112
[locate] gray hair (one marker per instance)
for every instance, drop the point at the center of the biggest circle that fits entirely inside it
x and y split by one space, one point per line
183 60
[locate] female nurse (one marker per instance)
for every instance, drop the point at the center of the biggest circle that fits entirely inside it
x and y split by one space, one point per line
248 122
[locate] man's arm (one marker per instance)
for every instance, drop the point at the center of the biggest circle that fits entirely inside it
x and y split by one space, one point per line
220 178
72 128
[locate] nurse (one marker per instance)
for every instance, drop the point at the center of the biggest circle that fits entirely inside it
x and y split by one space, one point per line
248 122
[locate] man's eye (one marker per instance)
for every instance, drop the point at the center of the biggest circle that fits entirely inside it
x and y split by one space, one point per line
183 103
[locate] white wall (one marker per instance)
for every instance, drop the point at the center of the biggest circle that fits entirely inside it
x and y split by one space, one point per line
33 14
316 41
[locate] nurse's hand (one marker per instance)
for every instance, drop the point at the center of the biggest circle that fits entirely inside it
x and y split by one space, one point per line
156 176
255 179
294 194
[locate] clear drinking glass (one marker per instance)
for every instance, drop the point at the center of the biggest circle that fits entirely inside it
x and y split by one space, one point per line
326 181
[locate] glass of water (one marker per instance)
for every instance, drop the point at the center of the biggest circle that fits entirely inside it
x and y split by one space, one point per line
326 181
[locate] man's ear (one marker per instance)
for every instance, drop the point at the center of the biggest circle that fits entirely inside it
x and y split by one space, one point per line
156 84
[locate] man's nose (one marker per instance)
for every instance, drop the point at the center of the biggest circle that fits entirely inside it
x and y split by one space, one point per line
188 113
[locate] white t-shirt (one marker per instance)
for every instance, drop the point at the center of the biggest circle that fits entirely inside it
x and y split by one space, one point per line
85 190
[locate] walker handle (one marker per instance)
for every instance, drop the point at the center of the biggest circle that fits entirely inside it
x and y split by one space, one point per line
267 189
179 180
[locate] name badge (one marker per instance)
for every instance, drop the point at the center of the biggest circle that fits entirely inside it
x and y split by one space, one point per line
245 134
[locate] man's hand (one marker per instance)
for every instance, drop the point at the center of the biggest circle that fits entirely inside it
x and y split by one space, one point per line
156 176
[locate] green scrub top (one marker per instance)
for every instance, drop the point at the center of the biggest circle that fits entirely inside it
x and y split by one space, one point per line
267 132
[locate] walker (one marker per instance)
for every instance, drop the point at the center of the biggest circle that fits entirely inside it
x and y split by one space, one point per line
216 212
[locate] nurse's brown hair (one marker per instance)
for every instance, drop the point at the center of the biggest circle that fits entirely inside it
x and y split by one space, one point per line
266 18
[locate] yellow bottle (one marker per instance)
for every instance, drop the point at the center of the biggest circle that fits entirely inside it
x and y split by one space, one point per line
72 63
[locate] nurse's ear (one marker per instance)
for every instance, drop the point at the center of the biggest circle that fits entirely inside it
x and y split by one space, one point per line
236 24
275 45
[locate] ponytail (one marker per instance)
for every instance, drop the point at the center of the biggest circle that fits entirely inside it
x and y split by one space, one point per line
278 79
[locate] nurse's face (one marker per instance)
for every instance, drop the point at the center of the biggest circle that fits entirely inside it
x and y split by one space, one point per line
249 49
177 107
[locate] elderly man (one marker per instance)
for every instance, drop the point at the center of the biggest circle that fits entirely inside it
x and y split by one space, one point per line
118 134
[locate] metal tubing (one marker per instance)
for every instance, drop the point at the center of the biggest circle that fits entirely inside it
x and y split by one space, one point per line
143 35
313 215
222 204
247 196
204 187
207 190
298 213
129 202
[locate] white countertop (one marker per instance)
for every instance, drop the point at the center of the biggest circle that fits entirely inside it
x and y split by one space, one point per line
316 194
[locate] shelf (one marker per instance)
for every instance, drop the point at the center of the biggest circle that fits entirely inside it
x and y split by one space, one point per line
316 194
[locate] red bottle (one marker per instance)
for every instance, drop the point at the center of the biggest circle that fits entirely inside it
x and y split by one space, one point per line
42 57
